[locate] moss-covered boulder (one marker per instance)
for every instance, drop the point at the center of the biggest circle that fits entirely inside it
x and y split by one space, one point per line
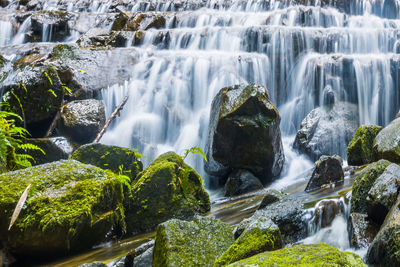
383 193
196 243
117 159
363 183
244 133
82 120
261 235
360 148
167 189
304 255
70 207
385 248
387 142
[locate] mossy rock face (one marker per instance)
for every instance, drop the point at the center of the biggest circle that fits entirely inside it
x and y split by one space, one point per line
364 182
114 158
360 148
385 248
387 142
319 254
70 207
196 243
167 189
261 235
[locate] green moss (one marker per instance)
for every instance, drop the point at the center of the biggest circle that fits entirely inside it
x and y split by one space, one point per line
196 243
120 160
363 183
304 255
360 148
386 144
70 204
120 22
168 188
63 51
262 235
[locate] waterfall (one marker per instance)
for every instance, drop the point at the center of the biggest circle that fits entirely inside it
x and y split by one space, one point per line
296 51
6 32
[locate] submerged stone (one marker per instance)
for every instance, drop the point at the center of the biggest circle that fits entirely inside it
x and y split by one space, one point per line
70 207
196 243
303 255
167 189
360 148
259 236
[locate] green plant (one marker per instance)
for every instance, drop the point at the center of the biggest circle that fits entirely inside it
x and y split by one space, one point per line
194 150
12 140
65 89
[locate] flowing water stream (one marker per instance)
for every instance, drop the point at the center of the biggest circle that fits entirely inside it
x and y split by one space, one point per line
296 51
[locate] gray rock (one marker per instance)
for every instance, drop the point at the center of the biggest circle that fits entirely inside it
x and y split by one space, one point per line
240 182
387 142
383 193
145 259
82 120
244 133
361 230
55 148
271 196
326 211
93 264
327 171
327 131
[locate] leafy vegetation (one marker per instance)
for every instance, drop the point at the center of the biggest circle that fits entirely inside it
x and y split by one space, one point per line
194 150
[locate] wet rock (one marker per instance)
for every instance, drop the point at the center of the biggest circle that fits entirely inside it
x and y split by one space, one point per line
259 236
326 211
55 148
383 193
361 230
145 21
144 259
167 189
387 145
70 205
303 255
329 97
82 120
287 214
94 37
271 196
93 264
244 133
327 131
363 182
120 20
384 248
360 149
240 182
49 24
398 115
327 171
117 159
196 243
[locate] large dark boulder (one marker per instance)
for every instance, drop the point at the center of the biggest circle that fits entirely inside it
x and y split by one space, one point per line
244 133
327 131
55 148
261 235
196 243
360 149
167 189
117 159
327 171
82 120
240 182
387 142
383 193
384 249
70 207
319 254
363 182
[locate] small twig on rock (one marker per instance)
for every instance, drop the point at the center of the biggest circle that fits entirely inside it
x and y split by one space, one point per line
112 117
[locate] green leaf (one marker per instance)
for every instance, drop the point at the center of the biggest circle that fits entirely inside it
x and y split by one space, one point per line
194 150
